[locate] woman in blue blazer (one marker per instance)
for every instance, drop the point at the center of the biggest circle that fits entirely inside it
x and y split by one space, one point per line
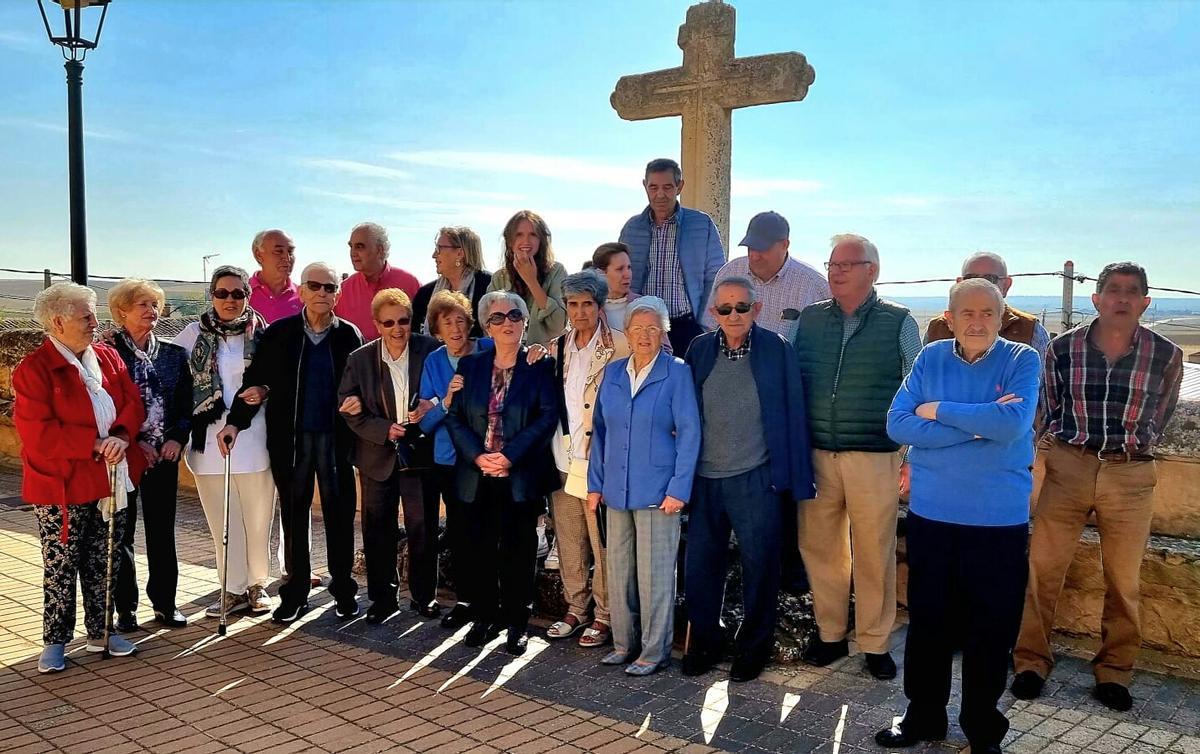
645 442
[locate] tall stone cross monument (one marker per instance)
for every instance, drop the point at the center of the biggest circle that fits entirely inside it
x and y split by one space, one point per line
704 91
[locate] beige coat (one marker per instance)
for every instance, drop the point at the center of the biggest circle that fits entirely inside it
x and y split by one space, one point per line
613 345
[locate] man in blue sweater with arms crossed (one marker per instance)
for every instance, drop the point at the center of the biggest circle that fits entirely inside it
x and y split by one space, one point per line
967 411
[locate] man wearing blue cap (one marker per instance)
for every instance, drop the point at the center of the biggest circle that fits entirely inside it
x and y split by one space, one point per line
783 284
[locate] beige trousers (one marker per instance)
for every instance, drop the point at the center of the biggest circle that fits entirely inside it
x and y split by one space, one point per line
579 549
850 528
251 498
1122 496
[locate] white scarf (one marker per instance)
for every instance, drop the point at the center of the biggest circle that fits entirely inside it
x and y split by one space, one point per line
105 412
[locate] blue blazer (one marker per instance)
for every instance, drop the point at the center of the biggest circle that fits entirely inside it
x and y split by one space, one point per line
697 243
644 447
781 397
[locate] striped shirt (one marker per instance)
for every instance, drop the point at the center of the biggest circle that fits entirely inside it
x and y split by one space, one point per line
664 276
783 297
1122 406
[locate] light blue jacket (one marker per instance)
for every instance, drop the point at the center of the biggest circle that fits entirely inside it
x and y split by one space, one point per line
435 381
645 447
697 243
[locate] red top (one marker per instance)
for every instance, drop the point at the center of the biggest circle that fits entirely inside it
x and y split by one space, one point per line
270 306
355 302
57 427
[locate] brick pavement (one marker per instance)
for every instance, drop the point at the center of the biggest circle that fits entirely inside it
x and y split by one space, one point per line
408 685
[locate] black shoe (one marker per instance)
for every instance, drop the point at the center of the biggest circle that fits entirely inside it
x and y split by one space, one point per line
747 667
459 616
379 611
289 612
432 610
989 749
903 734
346 608
1027 685
881 666
172 618
821 653
481 633
699 662
1114 696
126 623
517 641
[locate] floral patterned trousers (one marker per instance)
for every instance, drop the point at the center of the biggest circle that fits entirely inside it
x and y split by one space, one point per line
83 552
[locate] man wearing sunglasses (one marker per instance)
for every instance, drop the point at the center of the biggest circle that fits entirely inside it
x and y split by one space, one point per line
298 364
1015 325
854 351
754 459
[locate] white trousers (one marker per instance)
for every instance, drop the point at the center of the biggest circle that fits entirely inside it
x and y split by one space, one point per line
251 499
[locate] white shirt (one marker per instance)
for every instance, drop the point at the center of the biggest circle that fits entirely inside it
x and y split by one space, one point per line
578 363
250 451
637 378
614 312
398 369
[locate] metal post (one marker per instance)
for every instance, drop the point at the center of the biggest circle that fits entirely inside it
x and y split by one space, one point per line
1068 301
79 272
45 278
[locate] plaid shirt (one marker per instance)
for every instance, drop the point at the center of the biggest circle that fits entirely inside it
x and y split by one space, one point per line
734 354
783 297
664 276
1123 406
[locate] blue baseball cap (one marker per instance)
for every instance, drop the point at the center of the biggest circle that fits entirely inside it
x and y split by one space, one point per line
765 229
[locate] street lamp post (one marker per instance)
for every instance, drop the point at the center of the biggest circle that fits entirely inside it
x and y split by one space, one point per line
75 45
204 266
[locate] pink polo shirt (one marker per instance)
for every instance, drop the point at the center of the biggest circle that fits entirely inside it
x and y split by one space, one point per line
271 306
357 293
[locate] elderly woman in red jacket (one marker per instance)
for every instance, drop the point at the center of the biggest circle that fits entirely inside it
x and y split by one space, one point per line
76 410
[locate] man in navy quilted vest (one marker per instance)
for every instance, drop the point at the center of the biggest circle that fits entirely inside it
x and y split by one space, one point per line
855 349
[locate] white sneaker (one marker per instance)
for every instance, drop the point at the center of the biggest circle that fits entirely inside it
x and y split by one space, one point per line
118 646
543 549
234 603
259 601
552 558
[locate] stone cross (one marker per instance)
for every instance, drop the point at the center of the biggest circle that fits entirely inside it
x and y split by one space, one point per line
704 91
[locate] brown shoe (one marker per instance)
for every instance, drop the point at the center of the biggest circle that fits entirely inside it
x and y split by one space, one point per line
596 635
568 626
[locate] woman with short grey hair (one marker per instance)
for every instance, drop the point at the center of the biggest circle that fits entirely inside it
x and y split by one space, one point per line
508 297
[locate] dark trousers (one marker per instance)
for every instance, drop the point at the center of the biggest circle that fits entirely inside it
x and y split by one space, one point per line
745 504
381 502
458 534
83 552
504 539
683 330
316 461
157 494
977 572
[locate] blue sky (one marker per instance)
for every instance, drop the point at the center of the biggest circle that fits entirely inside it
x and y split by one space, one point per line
1042 130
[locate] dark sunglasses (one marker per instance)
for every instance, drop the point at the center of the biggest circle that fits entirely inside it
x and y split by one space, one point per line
993 279
740 307
403 322
237 294
314 286
513 315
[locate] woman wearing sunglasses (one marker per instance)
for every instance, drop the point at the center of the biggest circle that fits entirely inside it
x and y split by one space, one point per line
531 272
220 346
501 423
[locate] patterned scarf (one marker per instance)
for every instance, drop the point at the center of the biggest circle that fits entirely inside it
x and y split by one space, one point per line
208 403
145 376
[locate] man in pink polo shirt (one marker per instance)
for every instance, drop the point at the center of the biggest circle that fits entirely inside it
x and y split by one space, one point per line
369 248
272 292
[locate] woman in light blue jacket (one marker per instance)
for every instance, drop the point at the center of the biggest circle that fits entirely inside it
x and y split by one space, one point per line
645 443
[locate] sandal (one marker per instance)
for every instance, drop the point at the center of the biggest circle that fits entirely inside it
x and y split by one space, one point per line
564 628
596 635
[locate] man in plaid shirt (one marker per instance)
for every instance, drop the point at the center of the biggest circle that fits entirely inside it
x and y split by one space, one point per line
1109 389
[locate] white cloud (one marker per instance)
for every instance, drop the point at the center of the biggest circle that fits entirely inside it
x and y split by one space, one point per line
752 187
354 167
15 40
62 129
569 169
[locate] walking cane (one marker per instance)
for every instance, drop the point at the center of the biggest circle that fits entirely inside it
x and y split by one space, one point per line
221 626
111 503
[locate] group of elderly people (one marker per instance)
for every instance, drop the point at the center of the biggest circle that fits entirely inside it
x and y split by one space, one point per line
495 394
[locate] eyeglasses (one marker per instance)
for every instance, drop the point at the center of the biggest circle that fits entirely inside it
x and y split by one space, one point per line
653 331
993 279
402 322
237 294
314 286
845 266
513 315
740 307
446 247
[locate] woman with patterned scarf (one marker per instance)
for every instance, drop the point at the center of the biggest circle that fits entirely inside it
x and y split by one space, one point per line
220 347
160 372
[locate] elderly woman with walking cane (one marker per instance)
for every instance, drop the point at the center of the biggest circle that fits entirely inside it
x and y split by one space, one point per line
76 410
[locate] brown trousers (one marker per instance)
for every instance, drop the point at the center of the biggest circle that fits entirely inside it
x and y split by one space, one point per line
579 548
854 512
1122 496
